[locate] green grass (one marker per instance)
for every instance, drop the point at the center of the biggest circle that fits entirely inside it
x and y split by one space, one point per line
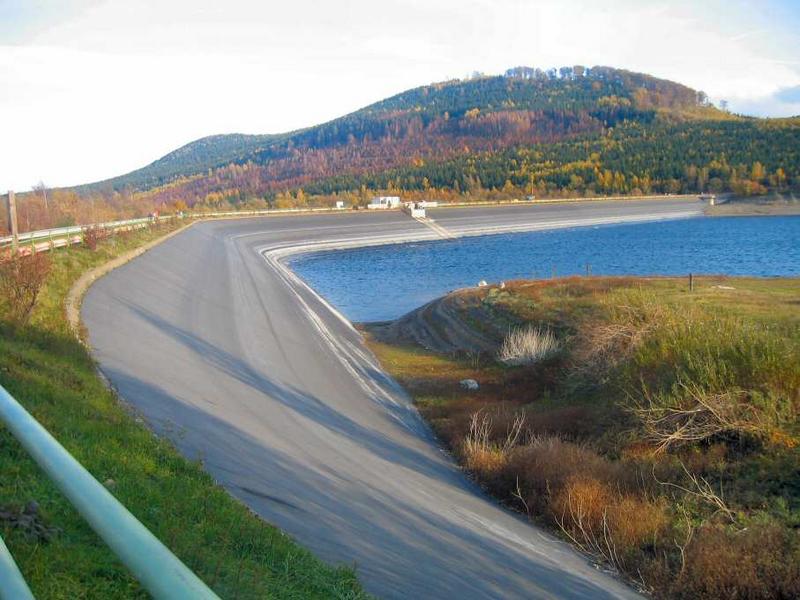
53 376
634 349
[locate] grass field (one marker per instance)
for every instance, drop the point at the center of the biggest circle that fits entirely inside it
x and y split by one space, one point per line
53 376
654 427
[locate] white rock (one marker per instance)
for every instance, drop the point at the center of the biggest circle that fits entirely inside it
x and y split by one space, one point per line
469 384
482 283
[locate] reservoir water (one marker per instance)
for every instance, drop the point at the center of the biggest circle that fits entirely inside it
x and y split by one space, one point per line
382 283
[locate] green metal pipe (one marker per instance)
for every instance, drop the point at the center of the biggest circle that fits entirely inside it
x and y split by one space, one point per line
12 583
158 570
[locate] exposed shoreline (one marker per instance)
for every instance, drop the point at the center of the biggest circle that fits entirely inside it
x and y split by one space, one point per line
755 207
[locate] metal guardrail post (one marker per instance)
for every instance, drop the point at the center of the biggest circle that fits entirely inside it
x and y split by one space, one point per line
12 583
158 570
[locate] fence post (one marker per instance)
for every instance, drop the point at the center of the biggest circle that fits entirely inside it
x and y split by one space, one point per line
12 220
691 282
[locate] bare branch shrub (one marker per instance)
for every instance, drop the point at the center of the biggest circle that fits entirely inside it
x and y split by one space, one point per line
697 416
685 544
584 519
605 345
91 236
21 281
526 346
479 453
701 489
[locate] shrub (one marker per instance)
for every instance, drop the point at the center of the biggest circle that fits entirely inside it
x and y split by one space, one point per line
604 522
91 236
21 281
480 454
542 467
762 561
527 346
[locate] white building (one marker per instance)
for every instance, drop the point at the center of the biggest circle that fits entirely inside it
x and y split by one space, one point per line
384 202
415 209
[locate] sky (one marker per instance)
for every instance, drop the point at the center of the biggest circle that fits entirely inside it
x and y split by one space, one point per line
91 89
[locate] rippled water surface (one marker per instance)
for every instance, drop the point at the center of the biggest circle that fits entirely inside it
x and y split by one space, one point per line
374 284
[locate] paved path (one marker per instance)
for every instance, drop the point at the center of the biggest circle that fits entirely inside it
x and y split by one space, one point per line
232 357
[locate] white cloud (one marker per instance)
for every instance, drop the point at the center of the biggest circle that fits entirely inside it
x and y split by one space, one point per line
783 103
96 88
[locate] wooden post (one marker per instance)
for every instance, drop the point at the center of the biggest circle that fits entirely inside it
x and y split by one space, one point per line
12 220
691 282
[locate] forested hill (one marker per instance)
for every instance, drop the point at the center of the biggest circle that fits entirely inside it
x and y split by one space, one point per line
568 131
198 156
525 104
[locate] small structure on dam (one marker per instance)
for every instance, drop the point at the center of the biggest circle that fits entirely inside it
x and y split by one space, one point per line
710 198
384 202
415 209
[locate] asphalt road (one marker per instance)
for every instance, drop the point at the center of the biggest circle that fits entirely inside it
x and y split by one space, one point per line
227 353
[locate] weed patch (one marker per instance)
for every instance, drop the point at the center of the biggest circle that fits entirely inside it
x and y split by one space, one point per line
662 438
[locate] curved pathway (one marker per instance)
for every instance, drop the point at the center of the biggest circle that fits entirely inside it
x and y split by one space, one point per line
230 355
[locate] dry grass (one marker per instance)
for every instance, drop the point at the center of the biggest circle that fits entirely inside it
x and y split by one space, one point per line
761 562
605 523
528 345
480 453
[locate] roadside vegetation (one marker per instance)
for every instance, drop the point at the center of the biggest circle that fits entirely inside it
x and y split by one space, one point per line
52 374
653 427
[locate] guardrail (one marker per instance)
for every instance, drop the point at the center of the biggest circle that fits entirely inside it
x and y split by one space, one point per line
57 237
158 570
12 583
72 230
